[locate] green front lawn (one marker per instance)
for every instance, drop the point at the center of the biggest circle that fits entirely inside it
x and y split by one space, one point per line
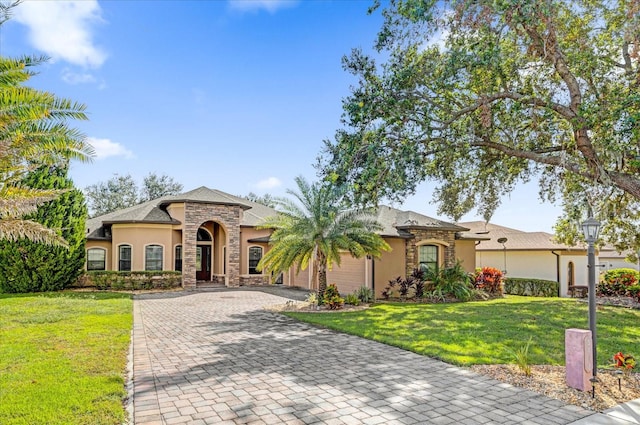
63 357
487 332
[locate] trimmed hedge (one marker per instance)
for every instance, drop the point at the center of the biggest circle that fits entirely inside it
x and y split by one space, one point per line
114 280
532 287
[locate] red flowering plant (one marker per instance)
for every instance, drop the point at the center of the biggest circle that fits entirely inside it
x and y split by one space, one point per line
489 279
625 362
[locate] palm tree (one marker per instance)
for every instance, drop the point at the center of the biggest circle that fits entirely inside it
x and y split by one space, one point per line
33 133
318 231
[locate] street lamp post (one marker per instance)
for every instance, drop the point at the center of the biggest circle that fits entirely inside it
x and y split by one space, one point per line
590 229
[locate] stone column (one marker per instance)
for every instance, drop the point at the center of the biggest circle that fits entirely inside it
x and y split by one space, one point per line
228 216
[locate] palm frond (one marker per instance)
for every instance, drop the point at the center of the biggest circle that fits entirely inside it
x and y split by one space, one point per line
14 229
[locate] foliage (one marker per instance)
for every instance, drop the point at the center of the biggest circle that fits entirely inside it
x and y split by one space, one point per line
154 187
331 297
532 287
489 279
634 292
312 298
62 358
483 95
419 284
34 132
352 299
131 280
265 199
626 362
616 282
122 192
522 358
27 266
365 294
486 332
318 230
453 281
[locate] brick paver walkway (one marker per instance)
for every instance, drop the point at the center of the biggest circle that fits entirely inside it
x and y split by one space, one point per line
219 357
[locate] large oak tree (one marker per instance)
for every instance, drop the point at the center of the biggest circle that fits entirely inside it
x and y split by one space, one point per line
482 95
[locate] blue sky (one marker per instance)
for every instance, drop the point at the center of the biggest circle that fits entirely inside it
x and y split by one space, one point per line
234 95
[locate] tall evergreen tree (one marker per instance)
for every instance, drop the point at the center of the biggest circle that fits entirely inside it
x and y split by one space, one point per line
27 266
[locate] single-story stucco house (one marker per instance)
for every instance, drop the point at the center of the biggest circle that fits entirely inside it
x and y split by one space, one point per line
212 238
536 255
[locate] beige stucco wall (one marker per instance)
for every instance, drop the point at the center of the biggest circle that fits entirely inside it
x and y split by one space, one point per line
176 211
390 265
350 275
139 235
466 253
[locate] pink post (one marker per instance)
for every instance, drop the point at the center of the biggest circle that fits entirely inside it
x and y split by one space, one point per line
578 358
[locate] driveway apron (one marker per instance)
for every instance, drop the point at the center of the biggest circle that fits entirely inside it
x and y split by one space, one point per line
221 358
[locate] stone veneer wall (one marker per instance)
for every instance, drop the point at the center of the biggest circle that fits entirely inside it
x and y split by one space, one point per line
229 217
255 279
447 236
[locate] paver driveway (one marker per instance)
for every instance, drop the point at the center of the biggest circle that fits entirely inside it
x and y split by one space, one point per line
219 357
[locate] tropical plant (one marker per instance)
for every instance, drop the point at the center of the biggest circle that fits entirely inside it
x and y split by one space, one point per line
625 362
365 294
331 297
33 133
351 299
489 279
617 282
318 230
482 95
522 358
454 281
27 266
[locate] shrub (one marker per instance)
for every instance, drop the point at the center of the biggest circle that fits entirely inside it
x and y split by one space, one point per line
616 282
522 358
532 287
107 279
312 298
388 290
419 284
634 292
352 299
365 294
456 282
332 298
489 279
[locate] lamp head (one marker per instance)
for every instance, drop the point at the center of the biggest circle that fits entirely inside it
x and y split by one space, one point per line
590 229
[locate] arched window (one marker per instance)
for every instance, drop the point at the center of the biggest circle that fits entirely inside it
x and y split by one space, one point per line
96 259
124 258
571 275
428 257
153 257
178 261
203 235
255 255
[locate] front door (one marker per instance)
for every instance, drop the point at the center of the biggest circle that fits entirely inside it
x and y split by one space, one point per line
203 262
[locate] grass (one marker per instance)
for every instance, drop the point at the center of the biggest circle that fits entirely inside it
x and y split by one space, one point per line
63 357
487 332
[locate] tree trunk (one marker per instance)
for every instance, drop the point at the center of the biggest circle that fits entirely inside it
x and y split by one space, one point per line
321 262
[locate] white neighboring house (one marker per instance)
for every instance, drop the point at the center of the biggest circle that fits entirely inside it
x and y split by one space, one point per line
536 255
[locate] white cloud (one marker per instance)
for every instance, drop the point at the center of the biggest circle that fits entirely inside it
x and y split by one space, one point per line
105 148
63 29
71 77
253 5
269 183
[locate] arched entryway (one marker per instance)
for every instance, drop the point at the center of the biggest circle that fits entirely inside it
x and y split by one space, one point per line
221 254
203 255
